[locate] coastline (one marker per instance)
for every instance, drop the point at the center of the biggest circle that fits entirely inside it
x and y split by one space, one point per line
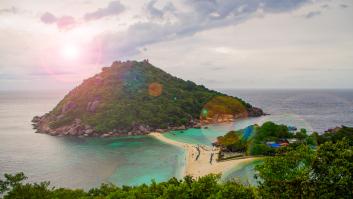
202 166
79 129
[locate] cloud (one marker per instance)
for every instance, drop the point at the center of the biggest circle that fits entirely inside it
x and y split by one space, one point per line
325 6
48 18
217 68
195 16
210 81
43 73
113 8
344 6
12 10
63 22
159 13
66 22
312 14
8 76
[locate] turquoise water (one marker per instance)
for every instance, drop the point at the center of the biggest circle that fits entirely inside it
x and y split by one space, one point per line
146 159
243 173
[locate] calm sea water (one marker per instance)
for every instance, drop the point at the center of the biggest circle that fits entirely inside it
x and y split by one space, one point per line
85 163
77 162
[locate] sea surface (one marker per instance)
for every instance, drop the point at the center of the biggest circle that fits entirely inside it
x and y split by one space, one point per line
87 162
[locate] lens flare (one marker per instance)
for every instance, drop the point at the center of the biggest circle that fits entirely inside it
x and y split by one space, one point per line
222 109
155 89
70 51
68 61
218 116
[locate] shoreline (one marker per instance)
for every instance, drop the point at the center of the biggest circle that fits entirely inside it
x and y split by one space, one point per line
79 129
198 158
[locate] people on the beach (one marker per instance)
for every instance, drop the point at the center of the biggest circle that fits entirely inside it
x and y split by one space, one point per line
211 158
198 152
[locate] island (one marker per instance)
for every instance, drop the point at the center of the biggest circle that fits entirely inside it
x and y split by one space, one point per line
136 98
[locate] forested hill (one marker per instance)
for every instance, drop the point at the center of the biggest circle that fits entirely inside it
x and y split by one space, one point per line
133 97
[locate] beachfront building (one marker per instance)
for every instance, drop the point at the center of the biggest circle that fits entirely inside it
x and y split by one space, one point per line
281 143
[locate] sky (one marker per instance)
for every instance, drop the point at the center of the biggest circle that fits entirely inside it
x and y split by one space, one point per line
226 44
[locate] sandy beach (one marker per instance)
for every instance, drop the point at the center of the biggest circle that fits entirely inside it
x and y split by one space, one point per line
198 158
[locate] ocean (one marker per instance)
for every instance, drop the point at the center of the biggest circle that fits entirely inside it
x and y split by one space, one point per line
315 110
87 162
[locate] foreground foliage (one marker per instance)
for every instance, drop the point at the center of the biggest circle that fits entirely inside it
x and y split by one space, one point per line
305 173
205 187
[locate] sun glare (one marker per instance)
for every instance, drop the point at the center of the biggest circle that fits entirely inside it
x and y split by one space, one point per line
70 51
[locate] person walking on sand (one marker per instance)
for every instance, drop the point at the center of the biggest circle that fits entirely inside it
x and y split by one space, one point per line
211 158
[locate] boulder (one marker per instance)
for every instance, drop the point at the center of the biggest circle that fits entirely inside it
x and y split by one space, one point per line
88 131
36 119
60 116
255 112
92 106
182 127
68 107
105 135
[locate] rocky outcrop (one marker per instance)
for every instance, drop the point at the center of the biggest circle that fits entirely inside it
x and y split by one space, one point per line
68 107
92 106
79 129
334 130
255 112
224 118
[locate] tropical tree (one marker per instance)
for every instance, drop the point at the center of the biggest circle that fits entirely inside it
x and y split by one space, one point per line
286 176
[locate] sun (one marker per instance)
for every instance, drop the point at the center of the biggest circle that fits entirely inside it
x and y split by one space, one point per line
70 51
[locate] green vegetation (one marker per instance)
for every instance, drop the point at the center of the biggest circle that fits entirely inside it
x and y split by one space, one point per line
132 94
223 105
334 135
204 187
232 141
301 172
268 132
305 173
254 141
